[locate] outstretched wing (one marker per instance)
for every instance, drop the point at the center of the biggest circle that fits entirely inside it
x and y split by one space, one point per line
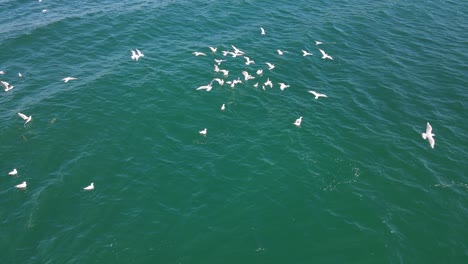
23 116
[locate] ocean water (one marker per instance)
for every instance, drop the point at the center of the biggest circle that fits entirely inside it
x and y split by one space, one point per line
355 183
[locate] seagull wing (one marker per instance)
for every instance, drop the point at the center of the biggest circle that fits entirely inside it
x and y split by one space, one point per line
323 53
25 117
428 129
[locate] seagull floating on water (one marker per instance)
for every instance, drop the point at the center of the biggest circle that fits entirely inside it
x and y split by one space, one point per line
325 56
25 117
203 132
21 186
317 95
90 187
13 172
7 86
428 135
283 86
67 79
298 121
197 53
306 53
262 31
271 66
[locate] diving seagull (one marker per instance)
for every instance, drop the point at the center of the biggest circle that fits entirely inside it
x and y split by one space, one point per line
21 186
306 53
7 86
13 172
317 95
262 31
67 79
283 86
90 187
428 135
325 56
203 132
197 53
25 117
298 121
270 66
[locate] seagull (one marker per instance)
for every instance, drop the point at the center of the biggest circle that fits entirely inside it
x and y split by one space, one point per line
202 132
237 51
428 135
44 10
325 56
196 53
13 172
247 76
216 68
2 72
205 87
223 107
268 83
7 86
134 55
219 61
20 75
270 66
262 31
225 72
25 117
255 85
306 53
280 52
213 49
21 186
67 79
90 187
317 95
259 72
318 42
234 82
283 86
248 61
220 81
139 53
298 121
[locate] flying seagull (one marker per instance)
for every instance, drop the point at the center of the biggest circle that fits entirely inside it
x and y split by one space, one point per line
7 86
207 87
281 52
306 53
283 86
197 53
213 49
67 79
262 31
428 135
298 121
25 117
271 66
318 42
325 56
90 187
317 95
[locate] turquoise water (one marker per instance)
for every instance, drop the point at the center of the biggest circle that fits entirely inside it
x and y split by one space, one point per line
355 183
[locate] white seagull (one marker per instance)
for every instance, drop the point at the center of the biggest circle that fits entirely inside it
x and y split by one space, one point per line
134 55
25 117
306 53
255 85
247 76
213 49
21 186
262 31
197 53
219 61
325 56
225 72
259 72
318 42
203 132
7 86
220 81
270 66
139 53
248 61
205 87
298 121
317 95
67 79
20 75
223 107
280 52
428 135
216 68
268 83
283 86
90 187
13 172
2 72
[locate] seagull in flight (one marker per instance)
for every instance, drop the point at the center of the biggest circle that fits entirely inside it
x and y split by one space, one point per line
225 72
7 86
90 187
247 76
325 56
270 66
220 81
25 117
219 61
262 31
203 132
283 86
259 72
248 61
298 121
205 87
318 42
134 55
197 53
281 52
428 135
21 186
139 53
14 172
213 49
268 83
317 95
306 53
67 79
